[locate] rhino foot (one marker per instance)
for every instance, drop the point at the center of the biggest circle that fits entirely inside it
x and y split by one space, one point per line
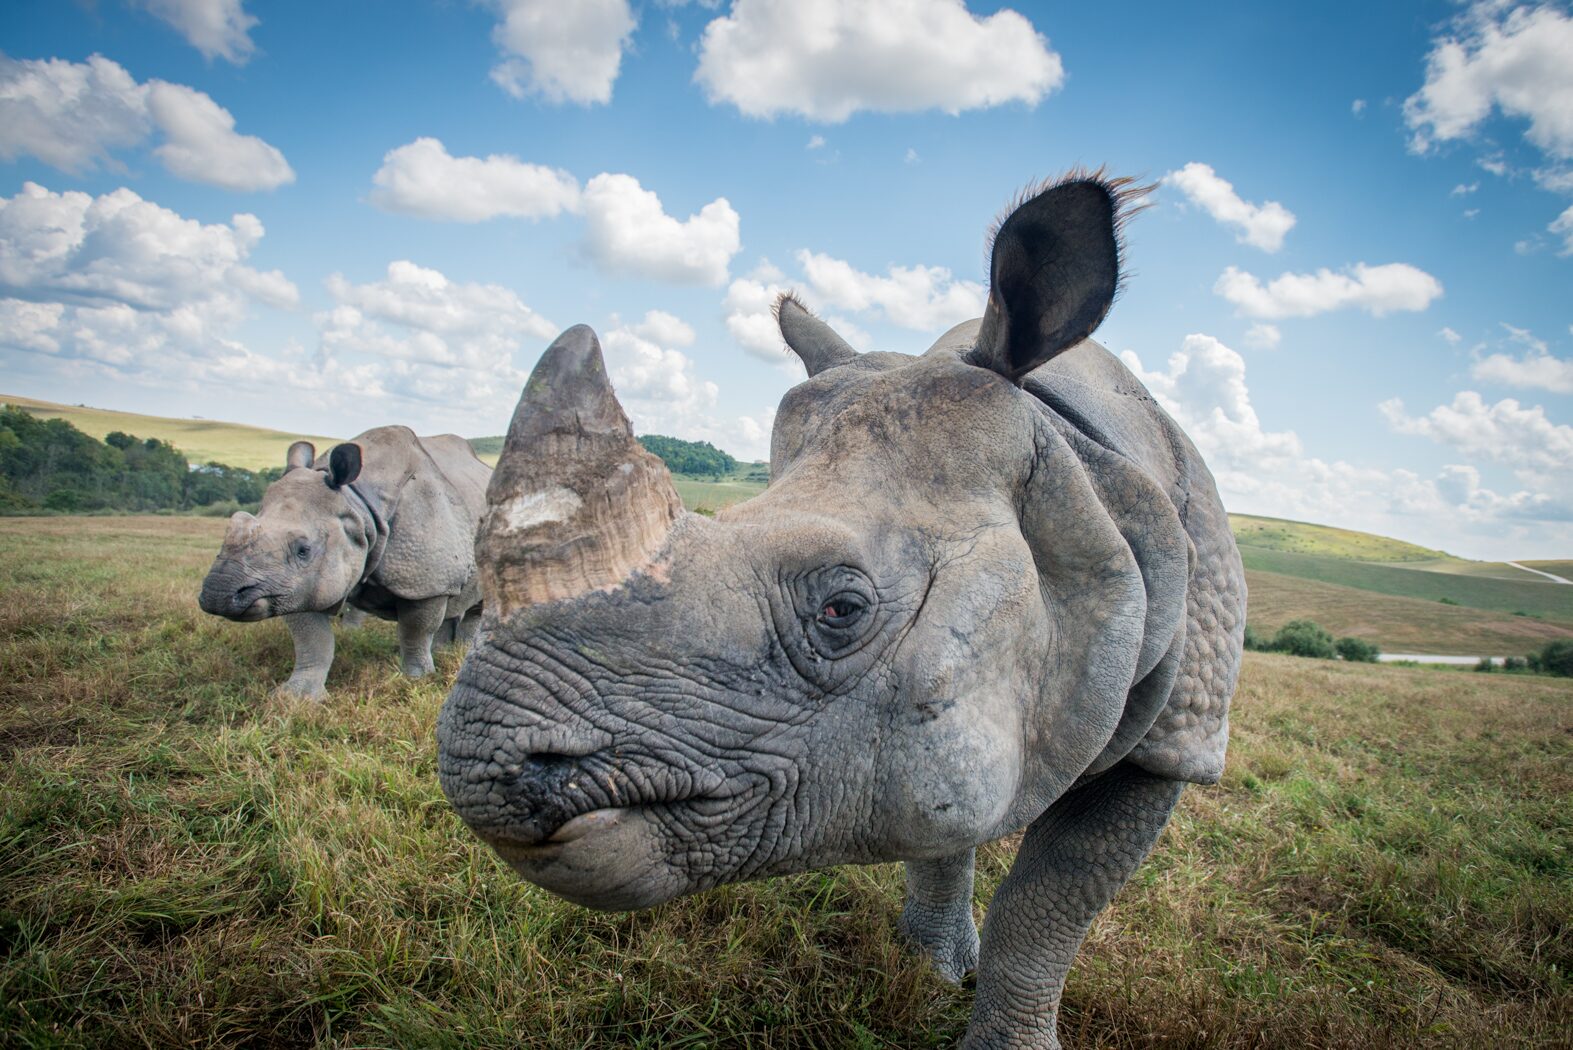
948 936
304 688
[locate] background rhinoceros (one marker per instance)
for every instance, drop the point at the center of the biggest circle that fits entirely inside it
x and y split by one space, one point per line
386 525
984 591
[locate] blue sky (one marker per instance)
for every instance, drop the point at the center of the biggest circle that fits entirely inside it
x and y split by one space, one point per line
1353 286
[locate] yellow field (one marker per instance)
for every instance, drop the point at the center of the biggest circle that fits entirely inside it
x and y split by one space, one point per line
201 440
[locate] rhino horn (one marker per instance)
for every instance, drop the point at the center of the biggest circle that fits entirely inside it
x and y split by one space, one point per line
576 503
814 342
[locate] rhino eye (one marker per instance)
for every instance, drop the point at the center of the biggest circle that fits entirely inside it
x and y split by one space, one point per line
302 550
842 610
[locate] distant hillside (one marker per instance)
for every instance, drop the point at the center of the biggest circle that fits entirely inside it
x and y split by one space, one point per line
200 440
1299 537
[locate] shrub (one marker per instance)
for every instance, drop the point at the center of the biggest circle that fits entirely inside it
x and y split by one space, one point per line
1515 663
1357 650
1557 658
1304 638
1255 642
1485 665
1447 601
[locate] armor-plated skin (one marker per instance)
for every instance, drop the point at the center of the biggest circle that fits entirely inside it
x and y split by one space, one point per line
384 525
989 588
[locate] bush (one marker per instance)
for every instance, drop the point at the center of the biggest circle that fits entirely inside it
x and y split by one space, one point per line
1357 650
1485 666
1556 658
1254 641
1515 663
1447 601
1304 638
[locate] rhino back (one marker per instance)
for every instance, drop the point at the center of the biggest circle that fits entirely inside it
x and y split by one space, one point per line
1089 390
431 493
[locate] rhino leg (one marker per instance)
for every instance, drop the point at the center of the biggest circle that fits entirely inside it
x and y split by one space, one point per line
937 918
445 633
465 632
1074 859
419 622
312 633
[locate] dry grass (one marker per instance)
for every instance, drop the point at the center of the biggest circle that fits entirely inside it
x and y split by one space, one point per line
185 861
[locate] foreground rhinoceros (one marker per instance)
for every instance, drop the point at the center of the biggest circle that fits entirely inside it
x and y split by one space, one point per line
386 525
983 592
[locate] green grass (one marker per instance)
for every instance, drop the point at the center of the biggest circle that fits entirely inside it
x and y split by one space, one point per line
1299 537
201 440
187 860
1542 598
1563 569
1396 624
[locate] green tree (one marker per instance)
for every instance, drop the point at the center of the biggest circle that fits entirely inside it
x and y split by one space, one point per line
1556 658
1357 650
1304 638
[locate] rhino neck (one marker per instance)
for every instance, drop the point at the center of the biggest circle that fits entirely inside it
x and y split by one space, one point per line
376 529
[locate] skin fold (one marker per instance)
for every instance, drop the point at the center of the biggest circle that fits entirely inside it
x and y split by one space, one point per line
989 588
383 526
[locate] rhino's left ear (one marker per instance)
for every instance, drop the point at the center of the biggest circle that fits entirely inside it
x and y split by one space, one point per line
300 454
814 342
343 465
1053 272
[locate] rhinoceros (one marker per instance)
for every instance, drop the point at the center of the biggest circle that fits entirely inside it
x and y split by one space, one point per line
385 526
989 588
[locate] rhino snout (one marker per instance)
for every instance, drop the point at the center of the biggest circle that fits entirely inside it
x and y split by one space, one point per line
225 594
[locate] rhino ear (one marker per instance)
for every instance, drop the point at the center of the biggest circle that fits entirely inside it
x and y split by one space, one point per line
343 465
814 342
300 454
1053 272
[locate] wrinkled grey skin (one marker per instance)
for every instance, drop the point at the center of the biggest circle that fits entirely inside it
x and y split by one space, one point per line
1049 633
385 526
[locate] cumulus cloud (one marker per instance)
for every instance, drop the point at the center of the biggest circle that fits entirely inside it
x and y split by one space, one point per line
629 232
1260 225
1513 59
127 283
922 298
423 180
1562 226
1506 432
1452 337
563 52
1263 336
74 115
217 28
663 393
201 145
1535 369
826 60
1377 290
1264 471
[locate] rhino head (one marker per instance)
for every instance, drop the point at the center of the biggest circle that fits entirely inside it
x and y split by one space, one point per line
304 550
919 636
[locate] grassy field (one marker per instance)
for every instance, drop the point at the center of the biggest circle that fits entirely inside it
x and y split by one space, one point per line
1299 537
1396 624
201 440
1563 569
187 861
1542 598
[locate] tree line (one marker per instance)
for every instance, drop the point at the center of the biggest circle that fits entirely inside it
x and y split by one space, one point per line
50 465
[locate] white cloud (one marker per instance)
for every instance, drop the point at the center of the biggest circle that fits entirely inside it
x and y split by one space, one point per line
1452 337
73 115
422 179
1562 226
911 156
1263 337
200 143
217 28
816 142
1263 471
749 317
628 231
1357 107
70 115
922 298
126 283
1462 189
661 389
826 60
1510 58
1261 225
1536 369
1376 289
564 52
1506 432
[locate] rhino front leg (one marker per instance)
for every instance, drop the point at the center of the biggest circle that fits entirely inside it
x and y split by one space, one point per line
419 622
1074 859
937 917
312 633
464 634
